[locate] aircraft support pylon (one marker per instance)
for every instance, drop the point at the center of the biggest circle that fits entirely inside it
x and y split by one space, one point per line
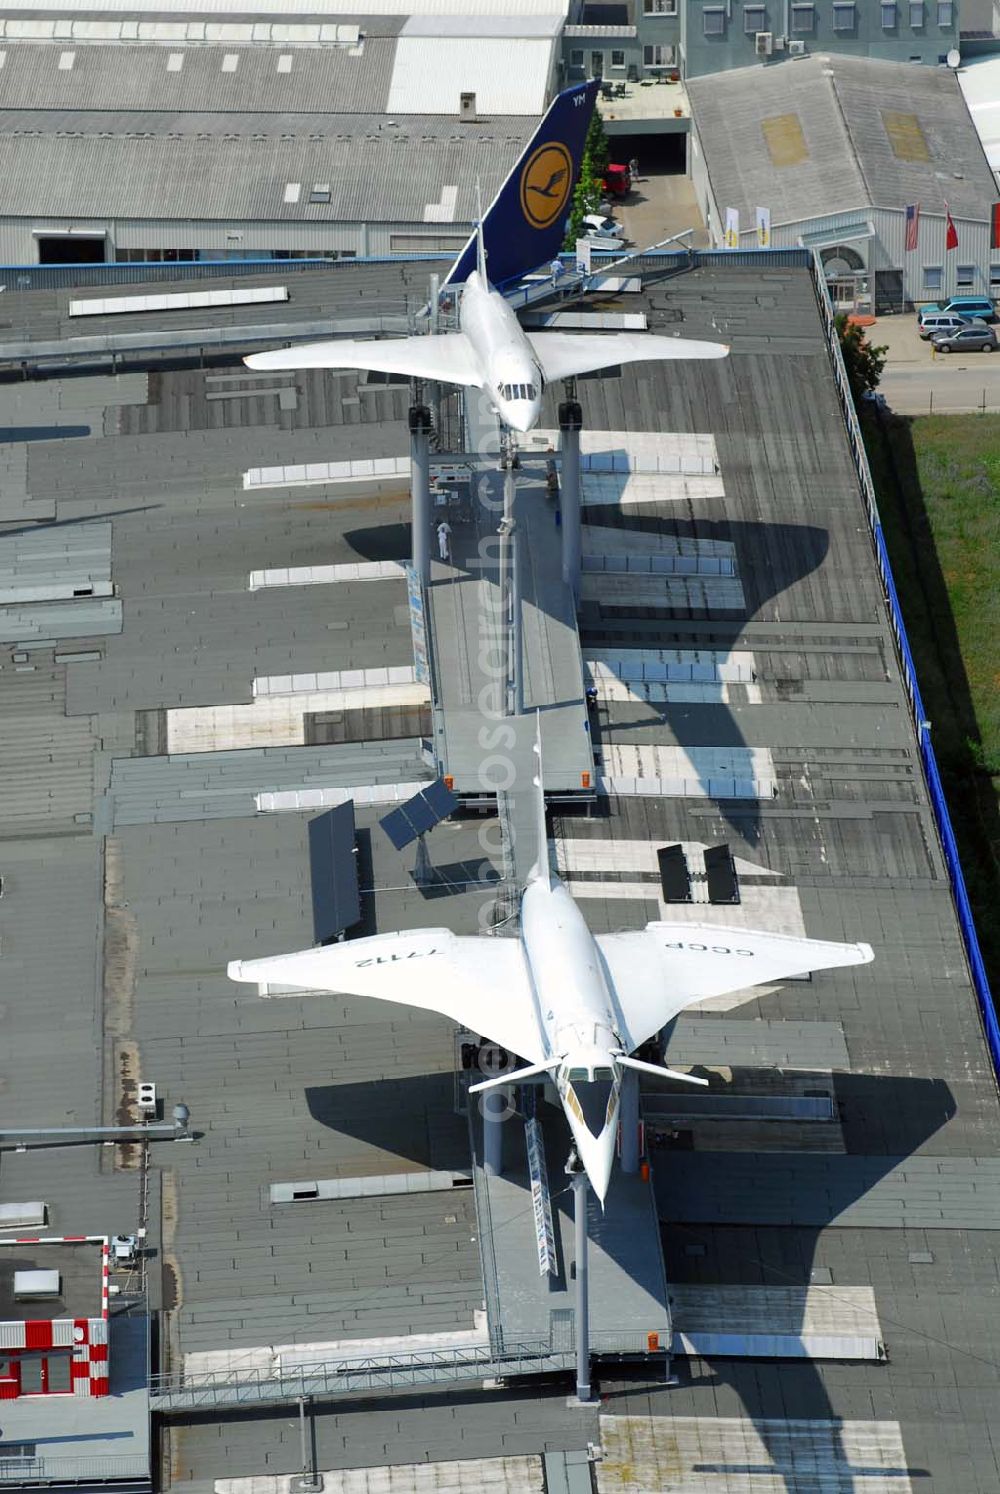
570 497
420 485
584 1394
630 1121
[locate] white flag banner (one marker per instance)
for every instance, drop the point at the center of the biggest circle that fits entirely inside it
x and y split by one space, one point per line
731 237
584 248
763 228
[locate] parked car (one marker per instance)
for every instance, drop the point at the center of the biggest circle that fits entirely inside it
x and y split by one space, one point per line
975 338
941 322
966 306
874 400
617 179
600 223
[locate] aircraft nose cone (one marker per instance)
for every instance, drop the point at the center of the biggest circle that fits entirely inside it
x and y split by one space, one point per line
600 1177
598 1157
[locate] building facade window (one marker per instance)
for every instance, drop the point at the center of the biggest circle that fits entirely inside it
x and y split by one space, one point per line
754 19
803 19
933 277
843 15
657 56
916 15
659 7
713 20
576 57
617 58
994 276
945 13
888 9
965 276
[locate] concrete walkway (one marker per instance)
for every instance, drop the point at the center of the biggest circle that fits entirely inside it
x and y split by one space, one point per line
661 204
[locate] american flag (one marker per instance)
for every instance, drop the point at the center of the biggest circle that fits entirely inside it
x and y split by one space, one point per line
912 226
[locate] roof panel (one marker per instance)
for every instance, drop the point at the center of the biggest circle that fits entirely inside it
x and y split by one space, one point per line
224 167
327 79
505 73
858 150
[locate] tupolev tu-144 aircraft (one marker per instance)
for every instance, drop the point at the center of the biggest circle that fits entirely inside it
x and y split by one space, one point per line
574 1005
524 227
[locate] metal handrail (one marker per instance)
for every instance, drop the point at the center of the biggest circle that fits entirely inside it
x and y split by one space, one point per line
335 1378
908 674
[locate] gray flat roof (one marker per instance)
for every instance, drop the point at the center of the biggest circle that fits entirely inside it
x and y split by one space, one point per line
121 922
828 134
238 166
80 1275
136 76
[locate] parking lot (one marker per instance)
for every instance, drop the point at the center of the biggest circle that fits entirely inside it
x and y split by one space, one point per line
919 381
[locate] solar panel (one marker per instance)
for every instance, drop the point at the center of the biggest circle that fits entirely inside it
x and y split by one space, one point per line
675 880
334 872
720 874
398 828
440 798
419 814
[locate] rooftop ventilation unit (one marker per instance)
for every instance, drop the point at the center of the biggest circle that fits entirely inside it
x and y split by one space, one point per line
763 43
796 49
467 107
36 1286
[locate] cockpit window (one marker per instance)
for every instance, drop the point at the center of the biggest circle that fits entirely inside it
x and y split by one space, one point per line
604 1074
578 1076
517 391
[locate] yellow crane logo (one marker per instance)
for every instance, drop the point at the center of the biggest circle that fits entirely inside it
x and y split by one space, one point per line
546 182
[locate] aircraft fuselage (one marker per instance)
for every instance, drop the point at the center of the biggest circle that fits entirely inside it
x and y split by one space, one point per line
576 1017
507 363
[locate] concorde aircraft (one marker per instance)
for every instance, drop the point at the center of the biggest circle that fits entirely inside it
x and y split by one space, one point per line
574 1005
524 227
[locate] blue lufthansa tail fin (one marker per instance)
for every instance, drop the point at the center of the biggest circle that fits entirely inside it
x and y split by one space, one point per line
525 224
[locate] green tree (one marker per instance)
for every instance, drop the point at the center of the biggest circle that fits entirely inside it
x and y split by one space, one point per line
864 363
586 199
597 145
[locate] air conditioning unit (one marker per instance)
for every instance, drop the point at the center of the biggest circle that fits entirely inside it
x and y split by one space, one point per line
780 43
796 49
146 1099
763 43
123 1249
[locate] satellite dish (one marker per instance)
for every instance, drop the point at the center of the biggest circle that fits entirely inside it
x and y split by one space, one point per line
954 58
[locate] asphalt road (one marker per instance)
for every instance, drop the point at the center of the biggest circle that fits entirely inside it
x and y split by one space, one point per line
916 381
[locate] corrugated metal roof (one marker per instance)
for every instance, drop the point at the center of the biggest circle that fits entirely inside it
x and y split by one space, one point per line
486 24
324 79
506 73
340 8
980 85
228 167
957 171
840 105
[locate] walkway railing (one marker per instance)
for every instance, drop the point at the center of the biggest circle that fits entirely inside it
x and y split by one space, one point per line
129 1471
908 671
335 1378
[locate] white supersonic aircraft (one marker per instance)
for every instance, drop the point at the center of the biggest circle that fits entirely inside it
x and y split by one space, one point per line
574 1005
524 227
